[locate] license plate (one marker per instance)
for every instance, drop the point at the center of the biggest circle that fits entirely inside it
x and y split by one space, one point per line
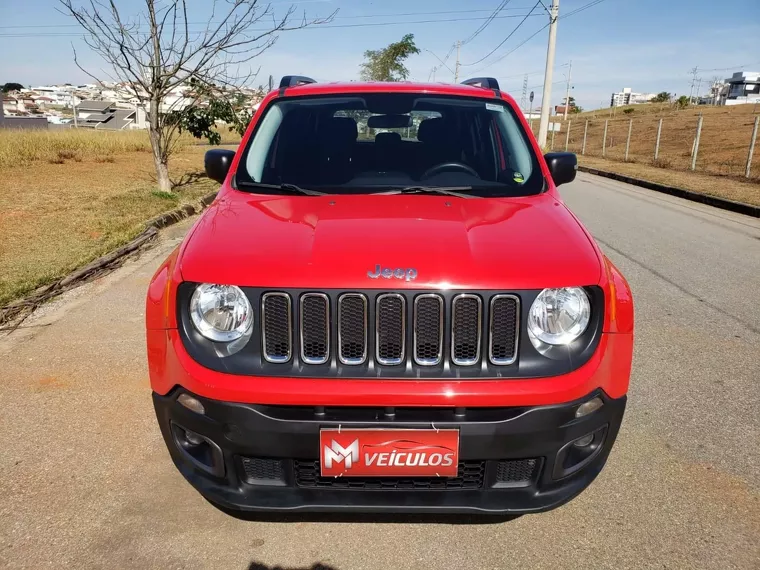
389 452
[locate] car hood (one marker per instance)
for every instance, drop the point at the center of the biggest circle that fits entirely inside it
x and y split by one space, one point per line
336 241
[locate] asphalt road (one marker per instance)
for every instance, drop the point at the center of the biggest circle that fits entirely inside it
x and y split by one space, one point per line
85 480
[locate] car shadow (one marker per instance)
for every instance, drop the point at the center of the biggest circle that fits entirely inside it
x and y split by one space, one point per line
315 566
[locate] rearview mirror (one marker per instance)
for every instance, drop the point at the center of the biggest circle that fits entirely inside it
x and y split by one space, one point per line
217 163
562 166
389 121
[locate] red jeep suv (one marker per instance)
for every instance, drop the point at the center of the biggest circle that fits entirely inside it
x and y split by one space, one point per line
388 307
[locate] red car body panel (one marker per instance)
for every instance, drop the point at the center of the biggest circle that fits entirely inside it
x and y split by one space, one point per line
321 242
608 369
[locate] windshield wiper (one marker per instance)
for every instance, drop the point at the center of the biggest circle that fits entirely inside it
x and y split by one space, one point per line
289 188
455 191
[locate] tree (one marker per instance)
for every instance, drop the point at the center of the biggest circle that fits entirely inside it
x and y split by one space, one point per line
387 64
682 102
662 97
214 105
157 53
12 87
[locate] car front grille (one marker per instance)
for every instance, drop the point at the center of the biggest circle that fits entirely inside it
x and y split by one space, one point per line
470 475
276 327
315 330
390 329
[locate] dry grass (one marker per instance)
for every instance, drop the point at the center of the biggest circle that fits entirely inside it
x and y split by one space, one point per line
731 188
19 147
55 217
724 142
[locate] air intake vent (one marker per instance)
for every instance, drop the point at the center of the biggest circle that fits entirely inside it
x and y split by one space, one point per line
390 328
276 327
315 323
470 475
352 328
466 329
428 330
503 327
517 472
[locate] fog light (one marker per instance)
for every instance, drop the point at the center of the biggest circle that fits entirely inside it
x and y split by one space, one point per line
191 404
589 407
582 442
193 438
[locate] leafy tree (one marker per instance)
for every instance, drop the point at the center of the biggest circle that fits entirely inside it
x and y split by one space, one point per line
575 109
214 104
682 102
387 64
12 87
662 97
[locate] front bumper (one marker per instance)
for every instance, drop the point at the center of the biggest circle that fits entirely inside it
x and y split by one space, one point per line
512 460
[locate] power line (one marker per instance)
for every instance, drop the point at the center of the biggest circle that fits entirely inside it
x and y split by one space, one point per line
514 49
500 58
733 67
484 25
582 8
314 27
505 39
443 61
386 15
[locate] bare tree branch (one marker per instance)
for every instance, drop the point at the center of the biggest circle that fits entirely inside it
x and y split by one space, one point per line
156 55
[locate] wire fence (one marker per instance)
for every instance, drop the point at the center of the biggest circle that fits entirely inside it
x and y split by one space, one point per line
717 144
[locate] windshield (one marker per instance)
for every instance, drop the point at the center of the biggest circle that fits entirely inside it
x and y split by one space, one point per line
379 142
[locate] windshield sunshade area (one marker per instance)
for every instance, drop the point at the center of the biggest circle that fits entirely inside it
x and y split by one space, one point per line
390 141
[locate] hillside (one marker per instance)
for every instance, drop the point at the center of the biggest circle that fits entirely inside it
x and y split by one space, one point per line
726 133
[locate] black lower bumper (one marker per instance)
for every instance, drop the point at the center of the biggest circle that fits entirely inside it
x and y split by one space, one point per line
512 460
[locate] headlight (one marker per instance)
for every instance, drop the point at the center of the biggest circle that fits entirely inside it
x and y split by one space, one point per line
221 313
558 316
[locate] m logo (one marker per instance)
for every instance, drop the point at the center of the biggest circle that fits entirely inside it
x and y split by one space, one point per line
339 454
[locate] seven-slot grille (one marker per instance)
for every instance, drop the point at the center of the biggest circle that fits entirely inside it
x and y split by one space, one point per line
465 330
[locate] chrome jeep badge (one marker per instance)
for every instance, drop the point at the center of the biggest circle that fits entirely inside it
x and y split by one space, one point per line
407 274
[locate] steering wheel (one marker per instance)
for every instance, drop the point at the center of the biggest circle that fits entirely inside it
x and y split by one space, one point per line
448 166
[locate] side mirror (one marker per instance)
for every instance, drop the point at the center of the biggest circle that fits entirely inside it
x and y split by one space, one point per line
562 165
217 163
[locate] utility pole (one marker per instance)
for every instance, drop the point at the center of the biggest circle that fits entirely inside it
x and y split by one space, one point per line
74 106
699 87
693 80
456 65
524 98
546 100
567 92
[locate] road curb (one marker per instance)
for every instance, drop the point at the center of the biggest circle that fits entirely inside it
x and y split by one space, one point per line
16 311
723 204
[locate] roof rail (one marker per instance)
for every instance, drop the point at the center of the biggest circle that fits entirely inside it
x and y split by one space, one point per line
485 82
293 80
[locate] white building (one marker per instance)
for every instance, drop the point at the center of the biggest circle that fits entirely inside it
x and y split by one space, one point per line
60 94
743 87
628 97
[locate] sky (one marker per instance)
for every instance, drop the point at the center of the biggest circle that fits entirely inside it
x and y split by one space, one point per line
648 45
